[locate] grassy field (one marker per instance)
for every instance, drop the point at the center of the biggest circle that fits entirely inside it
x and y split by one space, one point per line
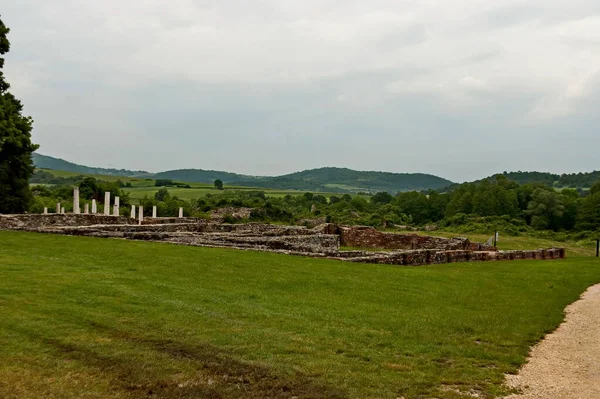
95 318
199 190
143 186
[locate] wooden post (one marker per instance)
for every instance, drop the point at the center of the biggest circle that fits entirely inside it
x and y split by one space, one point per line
597 248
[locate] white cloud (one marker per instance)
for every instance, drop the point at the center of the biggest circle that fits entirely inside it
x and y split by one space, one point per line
287 65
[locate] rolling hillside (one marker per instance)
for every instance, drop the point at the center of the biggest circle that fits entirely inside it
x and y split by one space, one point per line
46 162
328 179
340 180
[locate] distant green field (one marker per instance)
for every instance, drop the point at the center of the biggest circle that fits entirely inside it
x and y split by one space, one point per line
86 317
198 191
145 186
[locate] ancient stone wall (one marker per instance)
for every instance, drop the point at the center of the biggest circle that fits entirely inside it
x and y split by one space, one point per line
26 221
426 257
369 237
199 232
235 212
170 220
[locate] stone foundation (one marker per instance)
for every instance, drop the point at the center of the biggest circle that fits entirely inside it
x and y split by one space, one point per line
31 221
321 241
427 257
369 237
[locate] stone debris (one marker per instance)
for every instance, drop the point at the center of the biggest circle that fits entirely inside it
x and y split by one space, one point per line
321 241
238 213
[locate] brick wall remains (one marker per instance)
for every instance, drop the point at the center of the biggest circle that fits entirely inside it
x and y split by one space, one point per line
369 237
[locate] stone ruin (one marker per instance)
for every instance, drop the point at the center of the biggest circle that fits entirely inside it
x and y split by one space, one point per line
218 215
323 241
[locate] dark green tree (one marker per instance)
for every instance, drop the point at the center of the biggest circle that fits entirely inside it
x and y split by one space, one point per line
571 202
589 213
546 209
382 198
16 166
334 200
218 184
414 204
162 194
89 189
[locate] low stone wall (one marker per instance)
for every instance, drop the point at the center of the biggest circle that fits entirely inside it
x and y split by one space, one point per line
309 244
427 257
207 235
28 221
235 212
208 227
150 221
369 237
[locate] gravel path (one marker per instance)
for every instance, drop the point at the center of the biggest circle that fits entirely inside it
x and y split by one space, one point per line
566 364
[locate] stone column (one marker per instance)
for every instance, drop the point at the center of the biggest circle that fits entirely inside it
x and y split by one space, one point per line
180 212
107 203
45 210
86 208
116 209
133 211
141 214
154 211
94 207
76 209
58 208
62 210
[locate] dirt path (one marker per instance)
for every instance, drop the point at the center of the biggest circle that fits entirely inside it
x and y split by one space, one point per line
566 364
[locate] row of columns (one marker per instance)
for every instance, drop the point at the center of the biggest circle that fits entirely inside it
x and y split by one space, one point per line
154 213
116 205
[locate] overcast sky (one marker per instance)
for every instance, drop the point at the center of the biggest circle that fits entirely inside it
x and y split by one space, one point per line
457 88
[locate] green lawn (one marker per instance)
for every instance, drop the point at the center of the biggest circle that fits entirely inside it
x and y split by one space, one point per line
85 317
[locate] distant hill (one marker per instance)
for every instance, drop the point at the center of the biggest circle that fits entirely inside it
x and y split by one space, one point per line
332 179
45 162
328 179
203 176
567 180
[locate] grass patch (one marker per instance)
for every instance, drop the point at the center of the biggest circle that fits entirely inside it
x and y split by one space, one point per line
85 318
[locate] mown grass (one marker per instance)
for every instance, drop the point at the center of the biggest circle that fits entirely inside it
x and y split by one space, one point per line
84 317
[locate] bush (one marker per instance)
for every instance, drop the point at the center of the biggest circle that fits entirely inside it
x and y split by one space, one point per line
163 182
229 219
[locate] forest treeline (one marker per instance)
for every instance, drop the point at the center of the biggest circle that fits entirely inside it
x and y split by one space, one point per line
495 203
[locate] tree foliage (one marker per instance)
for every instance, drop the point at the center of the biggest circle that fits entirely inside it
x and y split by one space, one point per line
545 208
485 206
16 166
